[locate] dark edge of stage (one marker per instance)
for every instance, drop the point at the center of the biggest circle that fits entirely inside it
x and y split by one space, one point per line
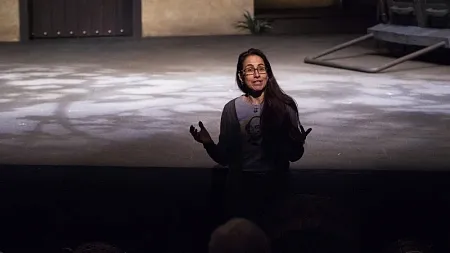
48 207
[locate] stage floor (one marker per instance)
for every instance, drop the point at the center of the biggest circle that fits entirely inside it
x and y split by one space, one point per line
124 102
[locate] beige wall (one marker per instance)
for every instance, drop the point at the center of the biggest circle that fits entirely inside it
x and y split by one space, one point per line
293 4
193 17
9 20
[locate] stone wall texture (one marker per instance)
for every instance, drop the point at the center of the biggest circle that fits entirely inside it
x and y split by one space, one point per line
193 17
9 20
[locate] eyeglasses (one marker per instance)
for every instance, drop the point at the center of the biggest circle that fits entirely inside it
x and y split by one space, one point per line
251 70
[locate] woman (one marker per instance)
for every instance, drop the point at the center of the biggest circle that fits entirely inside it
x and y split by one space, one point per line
260 131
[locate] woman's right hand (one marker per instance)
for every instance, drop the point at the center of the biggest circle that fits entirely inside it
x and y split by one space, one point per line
201 136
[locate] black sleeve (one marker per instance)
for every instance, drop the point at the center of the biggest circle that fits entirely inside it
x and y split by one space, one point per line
218 152
296 145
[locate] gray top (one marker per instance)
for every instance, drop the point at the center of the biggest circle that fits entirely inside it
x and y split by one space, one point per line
249 120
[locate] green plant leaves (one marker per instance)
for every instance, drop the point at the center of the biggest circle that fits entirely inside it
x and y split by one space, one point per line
254 25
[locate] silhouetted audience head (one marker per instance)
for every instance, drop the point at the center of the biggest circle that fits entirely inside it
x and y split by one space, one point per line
97 247
239 236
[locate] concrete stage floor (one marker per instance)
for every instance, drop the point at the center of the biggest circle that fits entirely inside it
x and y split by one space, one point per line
129 102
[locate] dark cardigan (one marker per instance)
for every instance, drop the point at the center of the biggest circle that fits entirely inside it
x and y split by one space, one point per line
227 152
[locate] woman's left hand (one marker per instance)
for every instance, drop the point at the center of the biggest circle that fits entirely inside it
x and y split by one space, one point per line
297 138
299 135
304 133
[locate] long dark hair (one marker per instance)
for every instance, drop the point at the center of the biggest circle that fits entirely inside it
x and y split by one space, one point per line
274 114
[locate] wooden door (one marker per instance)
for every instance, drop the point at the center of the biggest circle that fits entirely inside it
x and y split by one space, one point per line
80 18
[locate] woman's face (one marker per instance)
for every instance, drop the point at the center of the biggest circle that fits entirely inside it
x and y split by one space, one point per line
254 73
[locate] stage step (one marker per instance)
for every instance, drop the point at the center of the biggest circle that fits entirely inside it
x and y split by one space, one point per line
318 20
295 26
410 35
430 13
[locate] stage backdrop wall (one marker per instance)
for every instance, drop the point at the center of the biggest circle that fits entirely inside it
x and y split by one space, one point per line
194 17
293 4
9 20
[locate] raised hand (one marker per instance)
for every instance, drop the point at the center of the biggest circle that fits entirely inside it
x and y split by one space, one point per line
201 136
303 133
296 134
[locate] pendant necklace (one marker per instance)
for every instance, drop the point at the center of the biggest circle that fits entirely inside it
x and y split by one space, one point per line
255 106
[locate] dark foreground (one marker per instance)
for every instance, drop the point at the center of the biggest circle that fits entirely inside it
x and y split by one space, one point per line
45 209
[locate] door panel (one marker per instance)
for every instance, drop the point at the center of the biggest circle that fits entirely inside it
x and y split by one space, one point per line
71 18
121 20
109 17
84 17
41 18
127 12
120 29
58 20
35 19
46 14
96 14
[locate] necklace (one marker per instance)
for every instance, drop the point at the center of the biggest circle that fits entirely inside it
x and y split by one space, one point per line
256 107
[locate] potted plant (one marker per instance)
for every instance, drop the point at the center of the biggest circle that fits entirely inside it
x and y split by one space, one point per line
253 25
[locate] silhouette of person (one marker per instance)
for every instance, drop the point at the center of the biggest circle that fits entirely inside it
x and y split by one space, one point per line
239 236
260 131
